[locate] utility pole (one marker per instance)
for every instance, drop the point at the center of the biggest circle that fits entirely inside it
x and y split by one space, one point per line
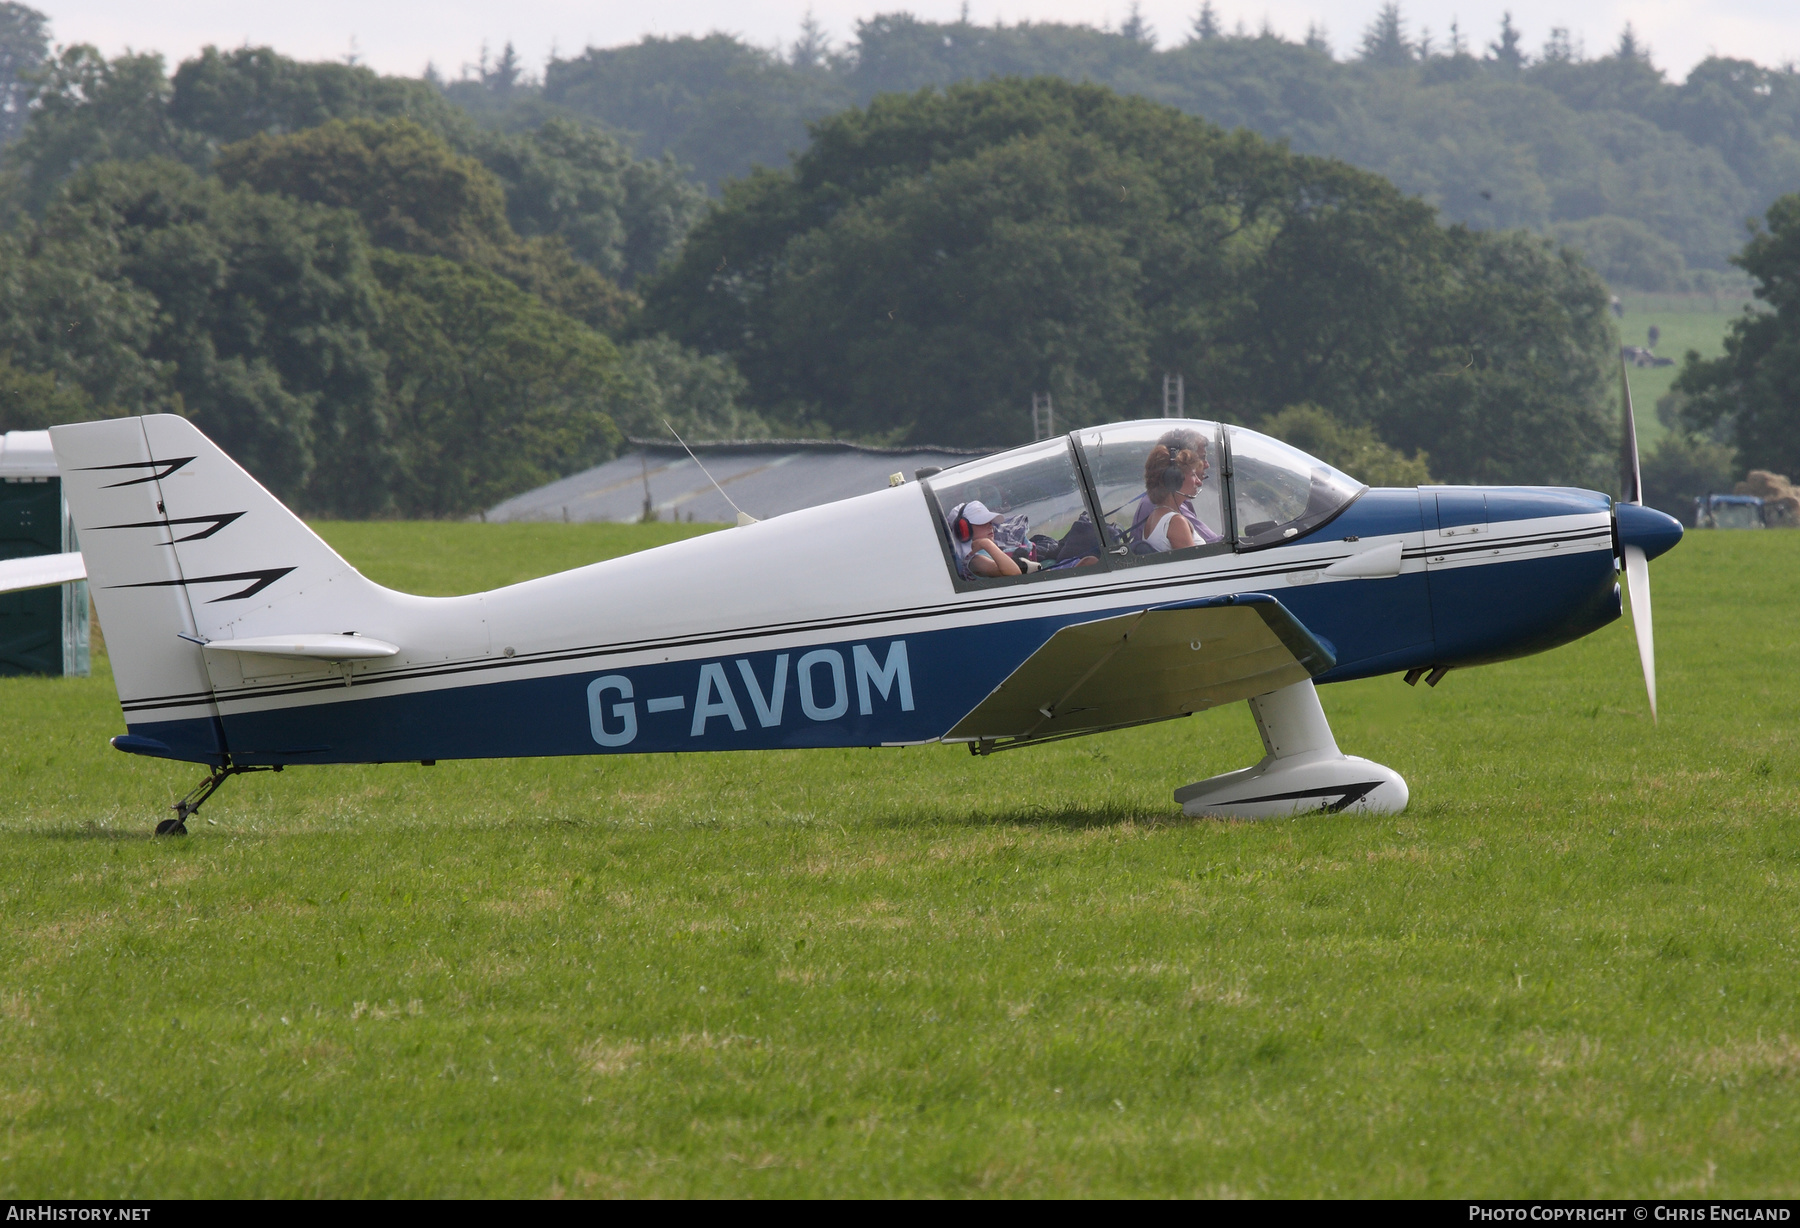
1043 416
1174 397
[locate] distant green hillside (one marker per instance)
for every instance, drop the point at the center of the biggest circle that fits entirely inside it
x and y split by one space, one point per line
1682 322
1651 178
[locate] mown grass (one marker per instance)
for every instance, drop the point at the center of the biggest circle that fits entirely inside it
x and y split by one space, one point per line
1569 969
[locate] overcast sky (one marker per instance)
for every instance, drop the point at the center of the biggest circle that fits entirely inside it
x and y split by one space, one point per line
401 36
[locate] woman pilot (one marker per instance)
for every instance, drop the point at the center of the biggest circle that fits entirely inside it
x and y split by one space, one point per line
1173 473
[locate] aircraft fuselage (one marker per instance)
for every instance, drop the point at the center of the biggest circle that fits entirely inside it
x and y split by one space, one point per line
831 627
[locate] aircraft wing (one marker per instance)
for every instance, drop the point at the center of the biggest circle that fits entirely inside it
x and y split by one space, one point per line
1157 663
41 571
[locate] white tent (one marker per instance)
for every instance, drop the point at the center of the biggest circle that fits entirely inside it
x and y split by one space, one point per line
39 555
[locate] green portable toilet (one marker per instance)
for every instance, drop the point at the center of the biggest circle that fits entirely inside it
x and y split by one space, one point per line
44 630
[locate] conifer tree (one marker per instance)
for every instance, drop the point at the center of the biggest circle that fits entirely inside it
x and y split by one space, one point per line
811 48
1136 28
1505 54
1629 46
1560 47
1206 24
1384 43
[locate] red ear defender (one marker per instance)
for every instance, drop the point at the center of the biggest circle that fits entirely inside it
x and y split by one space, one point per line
960 528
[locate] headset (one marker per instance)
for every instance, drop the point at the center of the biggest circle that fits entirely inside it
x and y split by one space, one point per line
960 528
1174 477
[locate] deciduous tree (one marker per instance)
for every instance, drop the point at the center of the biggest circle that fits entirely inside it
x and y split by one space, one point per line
1752 392
416 194
491 393
933 260
157 290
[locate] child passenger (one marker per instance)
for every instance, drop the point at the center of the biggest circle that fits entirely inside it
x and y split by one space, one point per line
983 553
978 554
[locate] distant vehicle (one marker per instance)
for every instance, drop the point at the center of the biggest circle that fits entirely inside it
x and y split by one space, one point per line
1639 356
1729 512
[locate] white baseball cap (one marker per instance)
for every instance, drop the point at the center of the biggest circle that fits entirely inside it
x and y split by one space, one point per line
976 512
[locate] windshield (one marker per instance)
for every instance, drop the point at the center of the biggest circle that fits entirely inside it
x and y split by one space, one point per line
1280 492
1737 516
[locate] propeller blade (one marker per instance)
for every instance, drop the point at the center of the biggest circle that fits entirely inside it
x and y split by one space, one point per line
1637 581
1630 474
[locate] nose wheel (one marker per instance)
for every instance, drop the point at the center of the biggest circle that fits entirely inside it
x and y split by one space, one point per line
190 805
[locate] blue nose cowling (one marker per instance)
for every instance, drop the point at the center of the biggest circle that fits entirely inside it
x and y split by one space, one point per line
1651 531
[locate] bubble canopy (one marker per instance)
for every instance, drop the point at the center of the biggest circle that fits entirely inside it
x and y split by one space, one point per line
1279 492
1103 493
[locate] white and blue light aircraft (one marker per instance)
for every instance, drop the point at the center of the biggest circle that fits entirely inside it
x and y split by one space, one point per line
241 641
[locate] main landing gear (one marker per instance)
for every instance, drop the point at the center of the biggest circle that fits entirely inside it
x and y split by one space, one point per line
1303 770
189 806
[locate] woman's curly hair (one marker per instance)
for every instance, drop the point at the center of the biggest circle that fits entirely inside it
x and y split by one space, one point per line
1180 449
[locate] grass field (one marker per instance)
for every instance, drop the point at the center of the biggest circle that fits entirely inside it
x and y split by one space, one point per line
1570 969
1688 322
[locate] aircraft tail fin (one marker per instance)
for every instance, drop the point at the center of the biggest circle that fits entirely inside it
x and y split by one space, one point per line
182 546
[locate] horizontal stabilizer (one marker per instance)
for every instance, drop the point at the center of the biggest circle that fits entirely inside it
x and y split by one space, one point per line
1162 662
310 647
41 571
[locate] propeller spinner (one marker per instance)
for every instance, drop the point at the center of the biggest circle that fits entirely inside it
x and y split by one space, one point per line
1640 533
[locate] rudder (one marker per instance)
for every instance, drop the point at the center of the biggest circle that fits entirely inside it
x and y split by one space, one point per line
180 543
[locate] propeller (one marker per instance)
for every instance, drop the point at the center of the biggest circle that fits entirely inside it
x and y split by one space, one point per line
1637 564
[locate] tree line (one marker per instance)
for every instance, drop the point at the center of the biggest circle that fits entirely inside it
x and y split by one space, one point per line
1742 409
375 303
1650 178
932 254
394 296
